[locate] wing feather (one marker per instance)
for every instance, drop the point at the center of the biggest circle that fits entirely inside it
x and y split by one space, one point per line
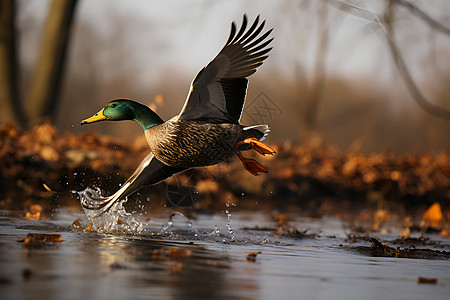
217 94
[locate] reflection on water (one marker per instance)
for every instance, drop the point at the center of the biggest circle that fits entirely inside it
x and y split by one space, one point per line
131 266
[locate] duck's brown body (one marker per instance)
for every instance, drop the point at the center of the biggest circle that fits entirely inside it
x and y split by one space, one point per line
188 144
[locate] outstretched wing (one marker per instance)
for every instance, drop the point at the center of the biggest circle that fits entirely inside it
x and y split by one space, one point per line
217 93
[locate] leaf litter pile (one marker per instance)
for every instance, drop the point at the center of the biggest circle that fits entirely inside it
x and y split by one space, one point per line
38 163
39 169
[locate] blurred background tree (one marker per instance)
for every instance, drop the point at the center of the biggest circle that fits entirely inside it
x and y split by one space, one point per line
11 110
43 96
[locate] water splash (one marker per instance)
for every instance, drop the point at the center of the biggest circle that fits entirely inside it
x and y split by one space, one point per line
169 227
228 213
108 219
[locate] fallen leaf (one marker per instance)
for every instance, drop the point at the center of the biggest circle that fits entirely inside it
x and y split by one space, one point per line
34 208
76 225
280 230
433 215
423 280
36 215
47 187
395 175
89 227
49 153
445 233
405 233
380 218
251 256
119 221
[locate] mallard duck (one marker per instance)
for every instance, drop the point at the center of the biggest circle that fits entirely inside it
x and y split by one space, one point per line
207 130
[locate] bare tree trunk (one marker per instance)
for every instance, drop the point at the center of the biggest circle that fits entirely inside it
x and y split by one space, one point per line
46 83
319 77
11 109
315 90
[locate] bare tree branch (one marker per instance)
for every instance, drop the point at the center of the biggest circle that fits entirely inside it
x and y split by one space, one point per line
418 96
424 16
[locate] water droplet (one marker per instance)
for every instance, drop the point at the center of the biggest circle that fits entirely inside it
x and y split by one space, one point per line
230 229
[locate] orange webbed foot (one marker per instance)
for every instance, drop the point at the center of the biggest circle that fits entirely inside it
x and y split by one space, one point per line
256 145
252 165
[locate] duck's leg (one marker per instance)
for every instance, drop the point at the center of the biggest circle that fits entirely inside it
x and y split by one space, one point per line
251 165
256 145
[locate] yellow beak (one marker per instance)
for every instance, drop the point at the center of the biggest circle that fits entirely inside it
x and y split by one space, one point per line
95 118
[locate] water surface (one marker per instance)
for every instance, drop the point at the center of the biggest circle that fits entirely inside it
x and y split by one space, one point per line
90 265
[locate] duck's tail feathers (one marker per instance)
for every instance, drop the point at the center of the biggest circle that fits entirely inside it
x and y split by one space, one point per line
264 129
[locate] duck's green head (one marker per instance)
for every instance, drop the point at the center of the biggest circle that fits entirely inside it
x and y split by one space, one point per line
124 109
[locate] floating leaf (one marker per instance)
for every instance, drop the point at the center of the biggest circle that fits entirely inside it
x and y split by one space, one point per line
423 280
89 227
433 215
251 256
36 215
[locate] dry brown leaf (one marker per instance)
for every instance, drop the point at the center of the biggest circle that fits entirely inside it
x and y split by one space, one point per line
433 215
251 256
47 187
35 208
380 218
445 233
280 230
36 215
119 221
49 153
395 175
405 233
89 227
423 280
76 225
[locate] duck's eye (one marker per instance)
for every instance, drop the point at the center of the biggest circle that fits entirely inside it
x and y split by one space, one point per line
113 105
